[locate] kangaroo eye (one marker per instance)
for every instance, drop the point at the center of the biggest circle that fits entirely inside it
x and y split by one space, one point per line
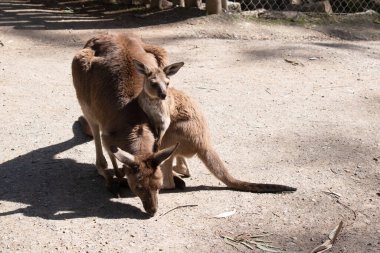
167 84
154 84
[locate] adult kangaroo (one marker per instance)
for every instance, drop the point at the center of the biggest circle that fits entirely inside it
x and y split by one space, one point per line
106 84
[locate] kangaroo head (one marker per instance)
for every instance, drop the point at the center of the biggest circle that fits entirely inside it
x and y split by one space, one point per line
144 174
157 79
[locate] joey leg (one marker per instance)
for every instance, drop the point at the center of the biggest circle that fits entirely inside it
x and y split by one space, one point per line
171 180
181 166
167 174
178 181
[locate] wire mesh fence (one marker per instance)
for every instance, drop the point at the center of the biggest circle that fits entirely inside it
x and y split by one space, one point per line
320 6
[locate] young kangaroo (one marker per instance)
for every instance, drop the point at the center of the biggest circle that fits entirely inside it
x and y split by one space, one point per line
189 128
106 84
153 98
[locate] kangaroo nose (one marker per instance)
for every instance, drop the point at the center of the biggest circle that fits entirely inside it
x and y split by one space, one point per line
151 211
162 96
150 208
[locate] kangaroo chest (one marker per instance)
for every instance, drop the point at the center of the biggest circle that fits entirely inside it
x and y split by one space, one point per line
158 111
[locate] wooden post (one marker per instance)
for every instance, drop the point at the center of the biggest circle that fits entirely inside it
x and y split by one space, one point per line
224 4
214 6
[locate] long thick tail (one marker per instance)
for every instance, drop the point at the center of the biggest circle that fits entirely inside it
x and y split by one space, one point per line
216 166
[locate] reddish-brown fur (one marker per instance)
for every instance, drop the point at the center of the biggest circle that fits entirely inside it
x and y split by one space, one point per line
188 126
106 84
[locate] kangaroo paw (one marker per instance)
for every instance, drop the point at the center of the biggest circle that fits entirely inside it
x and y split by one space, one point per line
182 170
179 183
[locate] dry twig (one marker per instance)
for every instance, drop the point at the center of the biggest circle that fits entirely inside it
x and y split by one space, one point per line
177 207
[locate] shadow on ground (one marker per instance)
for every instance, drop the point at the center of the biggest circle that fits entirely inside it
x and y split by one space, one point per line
60 189
77 15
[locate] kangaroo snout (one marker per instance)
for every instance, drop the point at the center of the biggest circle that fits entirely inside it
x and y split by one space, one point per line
162 95
151 210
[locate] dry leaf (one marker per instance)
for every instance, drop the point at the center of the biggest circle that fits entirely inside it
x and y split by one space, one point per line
265 248
230 242
322 248
244 239
329 242
225 214
294 63
333 234
334 194
247 245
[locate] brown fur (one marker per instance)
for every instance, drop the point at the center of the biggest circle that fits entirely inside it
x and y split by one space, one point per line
189 128
110 65
153 97
106 84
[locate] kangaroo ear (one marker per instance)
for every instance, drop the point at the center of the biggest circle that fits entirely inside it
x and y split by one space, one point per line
141 68
172 69
162 155
123 156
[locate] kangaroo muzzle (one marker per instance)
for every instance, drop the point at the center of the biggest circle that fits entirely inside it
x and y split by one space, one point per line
162 96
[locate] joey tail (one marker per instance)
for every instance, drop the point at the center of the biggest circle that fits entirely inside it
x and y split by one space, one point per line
216 166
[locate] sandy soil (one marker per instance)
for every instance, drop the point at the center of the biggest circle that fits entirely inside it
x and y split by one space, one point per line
311 122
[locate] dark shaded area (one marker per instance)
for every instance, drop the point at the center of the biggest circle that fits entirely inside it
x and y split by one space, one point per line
338 6
340 45
270 53
361 30
43 15
59 188
349 6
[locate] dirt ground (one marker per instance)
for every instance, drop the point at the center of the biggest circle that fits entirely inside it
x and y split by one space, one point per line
287 104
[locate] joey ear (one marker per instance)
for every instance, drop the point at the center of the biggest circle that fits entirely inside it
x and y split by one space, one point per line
141 67
160 156
172 69
123 156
